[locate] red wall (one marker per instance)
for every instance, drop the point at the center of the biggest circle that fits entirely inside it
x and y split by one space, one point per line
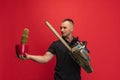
96 21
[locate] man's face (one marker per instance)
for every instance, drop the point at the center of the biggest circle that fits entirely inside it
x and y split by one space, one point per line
66 28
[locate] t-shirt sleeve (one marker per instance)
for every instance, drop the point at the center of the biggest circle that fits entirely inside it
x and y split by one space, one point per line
52 48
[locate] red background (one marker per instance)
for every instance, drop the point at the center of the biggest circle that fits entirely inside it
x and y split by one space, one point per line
96 21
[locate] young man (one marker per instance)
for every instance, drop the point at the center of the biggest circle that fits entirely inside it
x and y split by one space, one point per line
66 68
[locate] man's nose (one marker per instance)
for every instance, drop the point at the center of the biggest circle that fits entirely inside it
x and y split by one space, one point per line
62 29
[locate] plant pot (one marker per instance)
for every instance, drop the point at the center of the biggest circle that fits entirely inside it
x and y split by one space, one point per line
21 50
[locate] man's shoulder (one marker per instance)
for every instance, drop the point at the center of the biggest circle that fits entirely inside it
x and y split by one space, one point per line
56 41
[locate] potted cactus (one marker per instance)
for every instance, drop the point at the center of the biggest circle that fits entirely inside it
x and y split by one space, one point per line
22 48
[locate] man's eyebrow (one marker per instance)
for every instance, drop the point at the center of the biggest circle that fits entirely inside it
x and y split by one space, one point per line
62 26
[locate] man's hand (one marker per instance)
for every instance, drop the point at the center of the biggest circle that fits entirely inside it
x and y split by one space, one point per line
24 57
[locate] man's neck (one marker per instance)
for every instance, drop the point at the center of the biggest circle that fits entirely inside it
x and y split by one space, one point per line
69 38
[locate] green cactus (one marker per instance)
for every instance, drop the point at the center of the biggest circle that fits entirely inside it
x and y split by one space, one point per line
24 38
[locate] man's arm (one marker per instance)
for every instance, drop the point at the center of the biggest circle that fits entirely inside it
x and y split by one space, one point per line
41 59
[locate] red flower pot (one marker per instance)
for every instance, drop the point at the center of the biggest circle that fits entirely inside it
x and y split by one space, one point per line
21 49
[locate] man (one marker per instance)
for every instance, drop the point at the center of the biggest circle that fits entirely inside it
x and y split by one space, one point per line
66 68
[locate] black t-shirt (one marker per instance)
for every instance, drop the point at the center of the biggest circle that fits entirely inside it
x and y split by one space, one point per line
66 68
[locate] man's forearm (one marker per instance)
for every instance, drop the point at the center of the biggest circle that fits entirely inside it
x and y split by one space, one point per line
36 58
41 59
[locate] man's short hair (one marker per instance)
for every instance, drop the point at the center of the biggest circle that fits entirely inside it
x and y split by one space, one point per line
70 20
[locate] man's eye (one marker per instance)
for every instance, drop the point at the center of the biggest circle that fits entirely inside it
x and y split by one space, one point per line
64 27
60 27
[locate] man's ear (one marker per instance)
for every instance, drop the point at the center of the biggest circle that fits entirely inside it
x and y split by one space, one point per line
71 29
